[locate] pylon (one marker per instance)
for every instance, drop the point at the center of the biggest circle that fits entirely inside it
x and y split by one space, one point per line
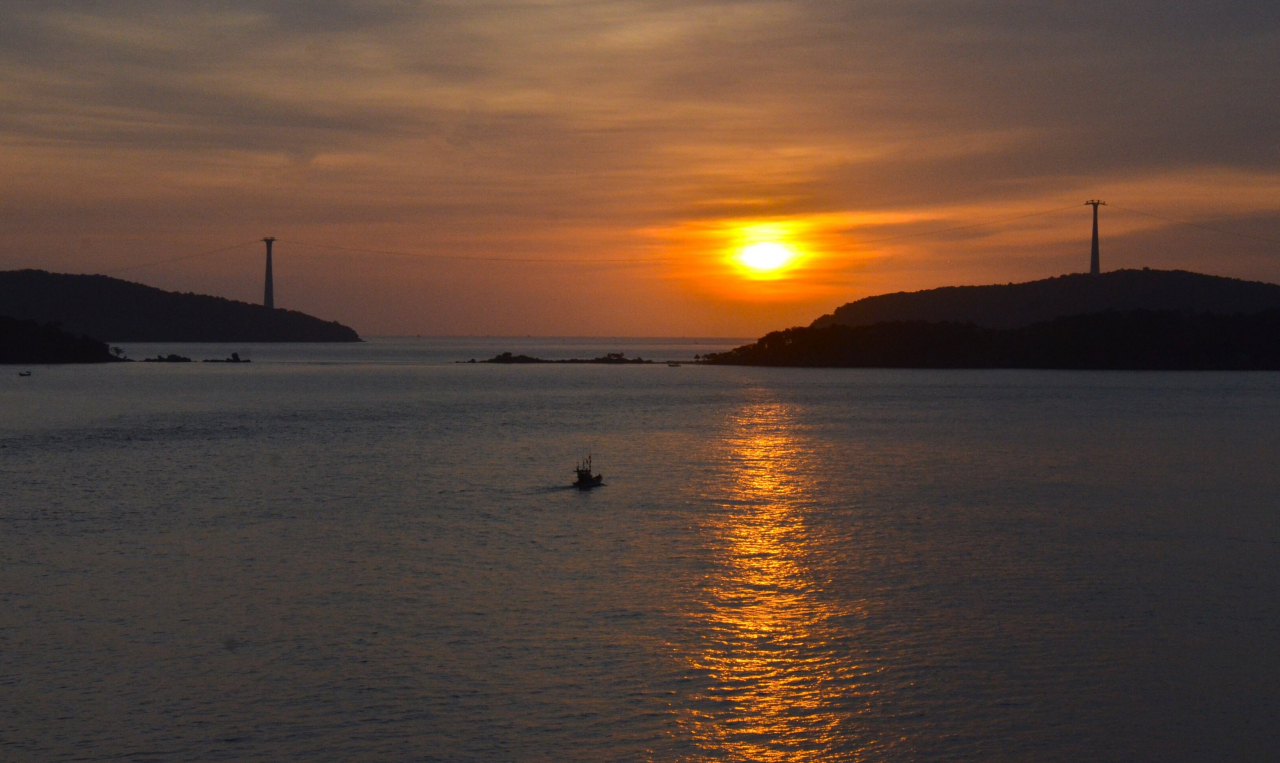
268 292
1094 267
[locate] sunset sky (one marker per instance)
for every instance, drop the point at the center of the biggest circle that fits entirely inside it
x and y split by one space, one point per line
624 155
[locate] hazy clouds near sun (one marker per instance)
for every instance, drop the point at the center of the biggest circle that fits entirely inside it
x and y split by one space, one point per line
132 131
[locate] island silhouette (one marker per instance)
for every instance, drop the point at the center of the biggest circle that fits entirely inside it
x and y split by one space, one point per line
114 310
1129 319
29 342
1022 304
612 358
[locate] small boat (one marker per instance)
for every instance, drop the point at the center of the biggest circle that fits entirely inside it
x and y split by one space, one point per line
672 364
24 373
586 480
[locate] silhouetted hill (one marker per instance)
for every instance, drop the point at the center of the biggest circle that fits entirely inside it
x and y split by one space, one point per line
1023 304
1137 340
121 311
29 342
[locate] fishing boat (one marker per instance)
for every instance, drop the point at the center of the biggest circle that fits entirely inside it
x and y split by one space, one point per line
586 479
24 373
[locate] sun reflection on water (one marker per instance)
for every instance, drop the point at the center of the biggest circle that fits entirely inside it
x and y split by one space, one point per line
782 686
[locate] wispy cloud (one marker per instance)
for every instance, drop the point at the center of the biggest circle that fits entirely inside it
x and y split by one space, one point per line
628 128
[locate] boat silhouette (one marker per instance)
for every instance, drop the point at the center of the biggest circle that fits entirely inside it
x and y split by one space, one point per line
586 480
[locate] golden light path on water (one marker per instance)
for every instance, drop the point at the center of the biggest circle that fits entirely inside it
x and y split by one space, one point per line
781 688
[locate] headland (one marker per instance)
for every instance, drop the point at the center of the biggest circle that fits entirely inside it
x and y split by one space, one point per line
113 310
1126 320
1014 305
29 342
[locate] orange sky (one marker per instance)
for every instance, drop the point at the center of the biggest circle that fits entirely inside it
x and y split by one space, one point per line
642 142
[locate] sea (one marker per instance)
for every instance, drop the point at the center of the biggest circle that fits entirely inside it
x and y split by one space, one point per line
372 552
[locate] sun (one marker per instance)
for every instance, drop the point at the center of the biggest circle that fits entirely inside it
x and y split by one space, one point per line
766 257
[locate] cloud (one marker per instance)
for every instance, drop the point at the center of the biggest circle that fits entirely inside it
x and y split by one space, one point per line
585 127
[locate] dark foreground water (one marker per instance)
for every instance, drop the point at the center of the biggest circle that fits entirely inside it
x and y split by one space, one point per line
369 554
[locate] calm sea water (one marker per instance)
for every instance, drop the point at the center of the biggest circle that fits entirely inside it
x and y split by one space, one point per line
369 553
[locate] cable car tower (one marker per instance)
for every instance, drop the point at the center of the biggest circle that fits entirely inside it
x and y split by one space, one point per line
269 295
1094 267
